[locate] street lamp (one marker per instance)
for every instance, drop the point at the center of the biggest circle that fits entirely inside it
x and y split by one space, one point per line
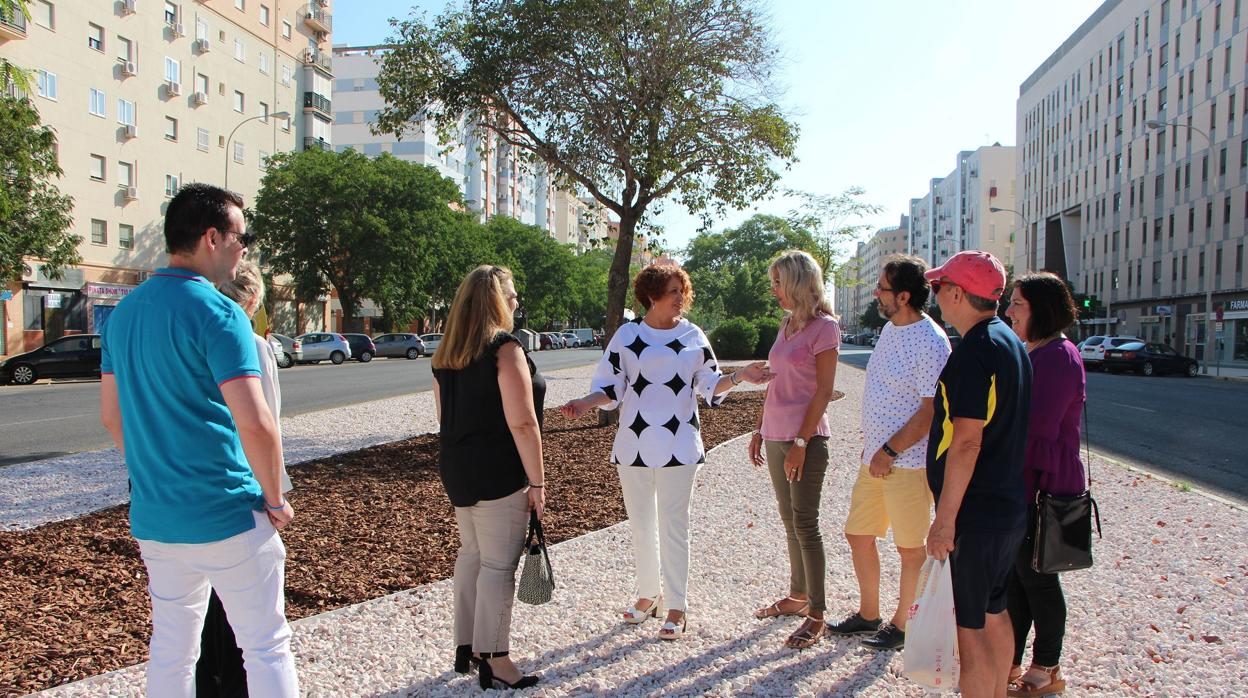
1209 340
229 155
997 209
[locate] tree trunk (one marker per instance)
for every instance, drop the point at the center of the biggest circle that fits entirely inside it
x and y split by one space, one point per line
617 293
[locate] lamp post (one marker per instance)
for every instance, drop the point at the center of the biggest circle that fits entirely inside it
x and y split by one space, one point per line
228 141
998 209
1209 340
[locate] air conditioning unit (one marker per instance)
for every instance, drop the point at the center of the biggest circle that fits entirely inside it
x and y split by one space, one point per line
309 55
177 28
173 88
127 7
203 45
199 99
132 194
129 69
132 131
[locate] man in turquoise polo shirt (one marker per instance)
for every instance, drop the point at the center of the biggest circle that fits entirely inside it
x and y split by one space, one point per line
181 396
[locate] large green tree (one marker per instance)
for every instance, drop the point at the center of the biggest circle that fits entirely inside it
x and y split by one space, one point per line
369 227
34 216
544 269
631 101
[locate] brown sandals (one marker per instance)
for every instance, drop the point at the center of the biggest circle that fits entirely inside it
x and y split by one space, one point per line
807 634
1025 688
774 610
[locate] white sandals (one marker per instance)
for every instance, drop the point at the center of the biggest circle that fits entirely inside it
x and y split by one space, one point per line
672 631
636 616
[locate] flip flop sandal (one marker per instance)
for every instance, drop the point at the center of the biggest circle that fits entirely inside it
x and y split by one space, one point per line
774 611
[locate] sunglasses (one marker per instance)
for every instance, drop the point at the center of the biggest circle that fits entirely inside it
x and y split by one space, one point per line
936 285
244 239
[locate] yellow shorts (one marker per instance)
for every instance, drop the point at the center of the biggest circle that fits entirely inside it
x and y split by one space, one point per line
900 498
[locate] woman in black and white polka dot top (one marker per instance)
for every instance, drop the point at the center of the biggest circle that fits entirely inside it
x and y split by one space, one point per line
654 369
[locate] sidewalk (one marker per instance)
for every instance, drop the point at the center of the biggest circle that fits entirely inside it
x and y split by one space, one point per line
1161 613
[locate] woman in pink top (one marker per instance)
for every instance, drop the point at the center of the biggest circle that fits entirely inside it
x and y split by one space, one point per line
792 435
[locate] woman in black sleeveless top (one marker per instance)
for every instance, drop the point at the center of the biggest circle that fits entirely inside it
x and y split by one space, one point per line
489 397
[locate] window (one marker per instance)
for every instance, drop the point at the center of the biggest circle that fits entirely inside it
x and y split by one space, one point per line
263 157
125 49
201 83
125 236
264 111
125 112
173 70
264 15
171 128
43 15
95 36
97 106
264 63
240 152
171 13
1222 162
171 185
239 101
240 4
286 75
99 232
201 139
240 51
285 29
201 29
125 174
97 167
45 83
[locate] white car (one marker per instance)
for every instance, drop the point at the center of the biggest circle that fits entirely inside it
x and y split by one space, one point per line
1092 349
431 342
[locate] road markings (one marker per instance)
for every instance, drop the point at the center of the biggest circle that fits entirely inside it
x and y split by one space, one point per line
1132 407
49 419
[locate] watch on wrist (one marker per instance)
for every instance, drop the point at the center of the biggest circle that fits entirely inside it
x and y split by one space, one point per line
889 450
799 442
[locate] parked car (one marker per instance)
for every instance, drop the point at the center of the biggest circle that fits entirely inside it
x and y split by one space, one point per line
321 346
431 341
550 340
77 355
287 351
362 347
399 345
584 336
570 339
1147 358
1092 349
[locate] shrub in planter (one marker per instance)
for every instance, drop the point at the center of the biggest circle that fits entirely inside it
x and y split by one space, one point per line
735 338
767 328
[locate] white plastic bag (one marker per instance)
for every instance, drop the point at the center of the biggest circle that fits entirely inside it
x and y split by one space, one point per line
931 651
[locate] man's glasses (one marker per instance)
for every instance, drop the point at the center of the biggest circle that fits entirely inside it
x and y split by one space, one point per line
244 239
937 285
883 289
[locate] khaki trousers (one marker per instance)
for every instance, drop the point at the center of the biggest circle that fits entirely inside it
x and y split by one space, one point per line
799 510
491 538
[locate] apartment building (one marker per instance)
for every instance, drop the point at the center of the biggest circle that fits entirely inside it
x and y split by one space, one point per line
1134 170
494 179
146 95
956 212
580 221
864 271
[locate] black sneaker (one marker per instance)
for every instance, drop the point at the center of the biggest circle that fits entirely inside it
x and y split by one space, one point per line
889 637
854 625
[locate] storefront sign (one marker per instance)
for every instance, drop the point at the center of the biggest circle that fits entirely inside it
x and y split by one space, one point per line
1237 304
6 295
52 300
108 291
1165 310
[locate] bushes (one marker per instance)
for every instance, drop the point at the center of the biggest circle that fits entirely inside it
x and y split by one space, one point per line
735 338
768 328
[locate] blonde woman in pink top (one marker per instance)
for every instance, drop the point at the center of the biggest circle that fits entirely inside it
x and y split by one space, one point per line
792 434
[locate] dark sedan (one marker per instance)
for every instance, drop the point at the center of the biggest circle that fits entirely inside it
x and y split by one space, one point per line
75 356
1147 358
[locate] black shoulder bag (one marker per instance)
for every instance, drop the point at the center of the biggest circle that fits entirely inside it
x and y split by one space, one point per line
1063 525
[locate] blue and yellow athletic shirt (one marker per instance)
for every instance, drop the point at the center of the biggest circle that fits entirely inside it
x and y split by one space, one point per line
988 377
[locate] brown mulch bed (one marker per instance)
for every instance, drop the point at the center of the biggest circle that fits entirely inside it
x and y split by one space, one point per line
73 596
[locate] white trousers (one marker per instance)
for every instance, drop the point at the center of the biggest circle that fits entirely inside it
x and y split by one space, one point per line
658 503
248 573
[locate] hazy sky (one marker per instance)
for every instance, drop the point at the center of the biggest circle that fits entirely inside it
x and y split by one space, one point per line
886 92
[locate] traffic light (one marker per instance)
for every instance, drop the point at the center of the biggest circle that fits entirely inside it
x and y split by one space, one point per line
1087 303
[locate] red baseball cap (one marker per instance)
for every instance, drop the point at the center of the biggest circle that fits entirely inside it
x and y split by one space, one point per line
976 271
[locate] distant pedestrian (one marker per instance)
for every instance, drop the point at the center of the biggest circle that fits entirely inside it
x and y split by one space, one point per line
791 436
891 489
1040 308
489 398
975 464
181 394
219 671
654 369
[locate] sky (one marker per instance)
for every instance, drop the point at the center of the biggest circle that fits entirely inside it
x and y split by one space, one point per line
885 92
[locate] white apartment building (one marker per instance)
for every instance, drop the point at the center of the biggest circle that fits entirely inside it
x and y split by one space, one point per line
1134 169
955 214
864 270
492 178
146 95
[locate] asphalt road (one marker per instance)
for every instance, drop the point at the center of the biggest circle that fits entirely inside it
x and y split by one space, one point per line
46 420
1187 429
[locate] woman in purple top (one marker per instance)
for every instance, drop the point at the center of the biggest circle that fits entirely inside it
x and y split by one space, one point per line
1040 307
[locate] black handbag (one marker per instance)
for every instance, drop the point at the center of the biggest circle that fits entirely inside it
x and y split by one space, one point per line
537 579
1062 537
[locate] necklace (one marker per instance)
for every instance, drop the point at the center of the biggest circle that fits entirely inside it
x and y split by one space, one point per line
1032 346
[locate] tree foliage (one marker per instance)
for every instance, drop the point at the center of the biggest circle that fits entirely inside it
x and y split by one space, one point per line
836 222
631 101
34 216
871 318
12 74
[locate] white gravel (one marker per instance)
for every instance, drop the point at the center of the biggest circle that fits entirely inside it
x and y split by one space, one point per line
1161 614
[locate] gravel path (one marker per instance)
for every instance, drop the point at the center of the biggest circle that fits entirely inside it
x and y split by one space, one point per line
1161 613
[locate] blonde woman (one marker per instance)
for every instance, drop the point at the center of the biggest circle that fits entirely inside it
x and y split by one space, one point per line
489 399
654 369
792 433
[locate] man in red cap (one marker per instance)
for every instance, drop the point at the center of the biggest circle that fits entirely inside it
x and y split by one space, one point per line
975 464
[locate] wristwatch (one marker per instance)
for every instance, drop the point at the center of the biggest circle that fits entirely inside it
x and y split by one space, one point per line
799 442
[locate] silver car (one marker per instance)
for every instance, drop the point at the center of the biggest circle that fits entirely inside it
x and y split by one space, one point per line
321 346
431 342
399 344
286 350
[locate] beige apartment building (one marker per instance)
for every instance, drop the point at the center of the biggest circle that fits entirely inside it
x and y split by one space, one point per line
956 213
1134 170
146 95
864 272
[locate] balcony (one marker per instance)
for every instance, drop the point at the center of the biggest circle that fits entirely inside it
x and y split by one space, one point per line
318 59
318 19
12 22
310 143
317 102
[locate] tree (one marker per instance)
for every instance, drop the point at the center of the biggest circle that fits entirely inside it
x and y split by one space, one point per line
836 223
367 227
34 215
871 318
12 75
631 101
543 269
